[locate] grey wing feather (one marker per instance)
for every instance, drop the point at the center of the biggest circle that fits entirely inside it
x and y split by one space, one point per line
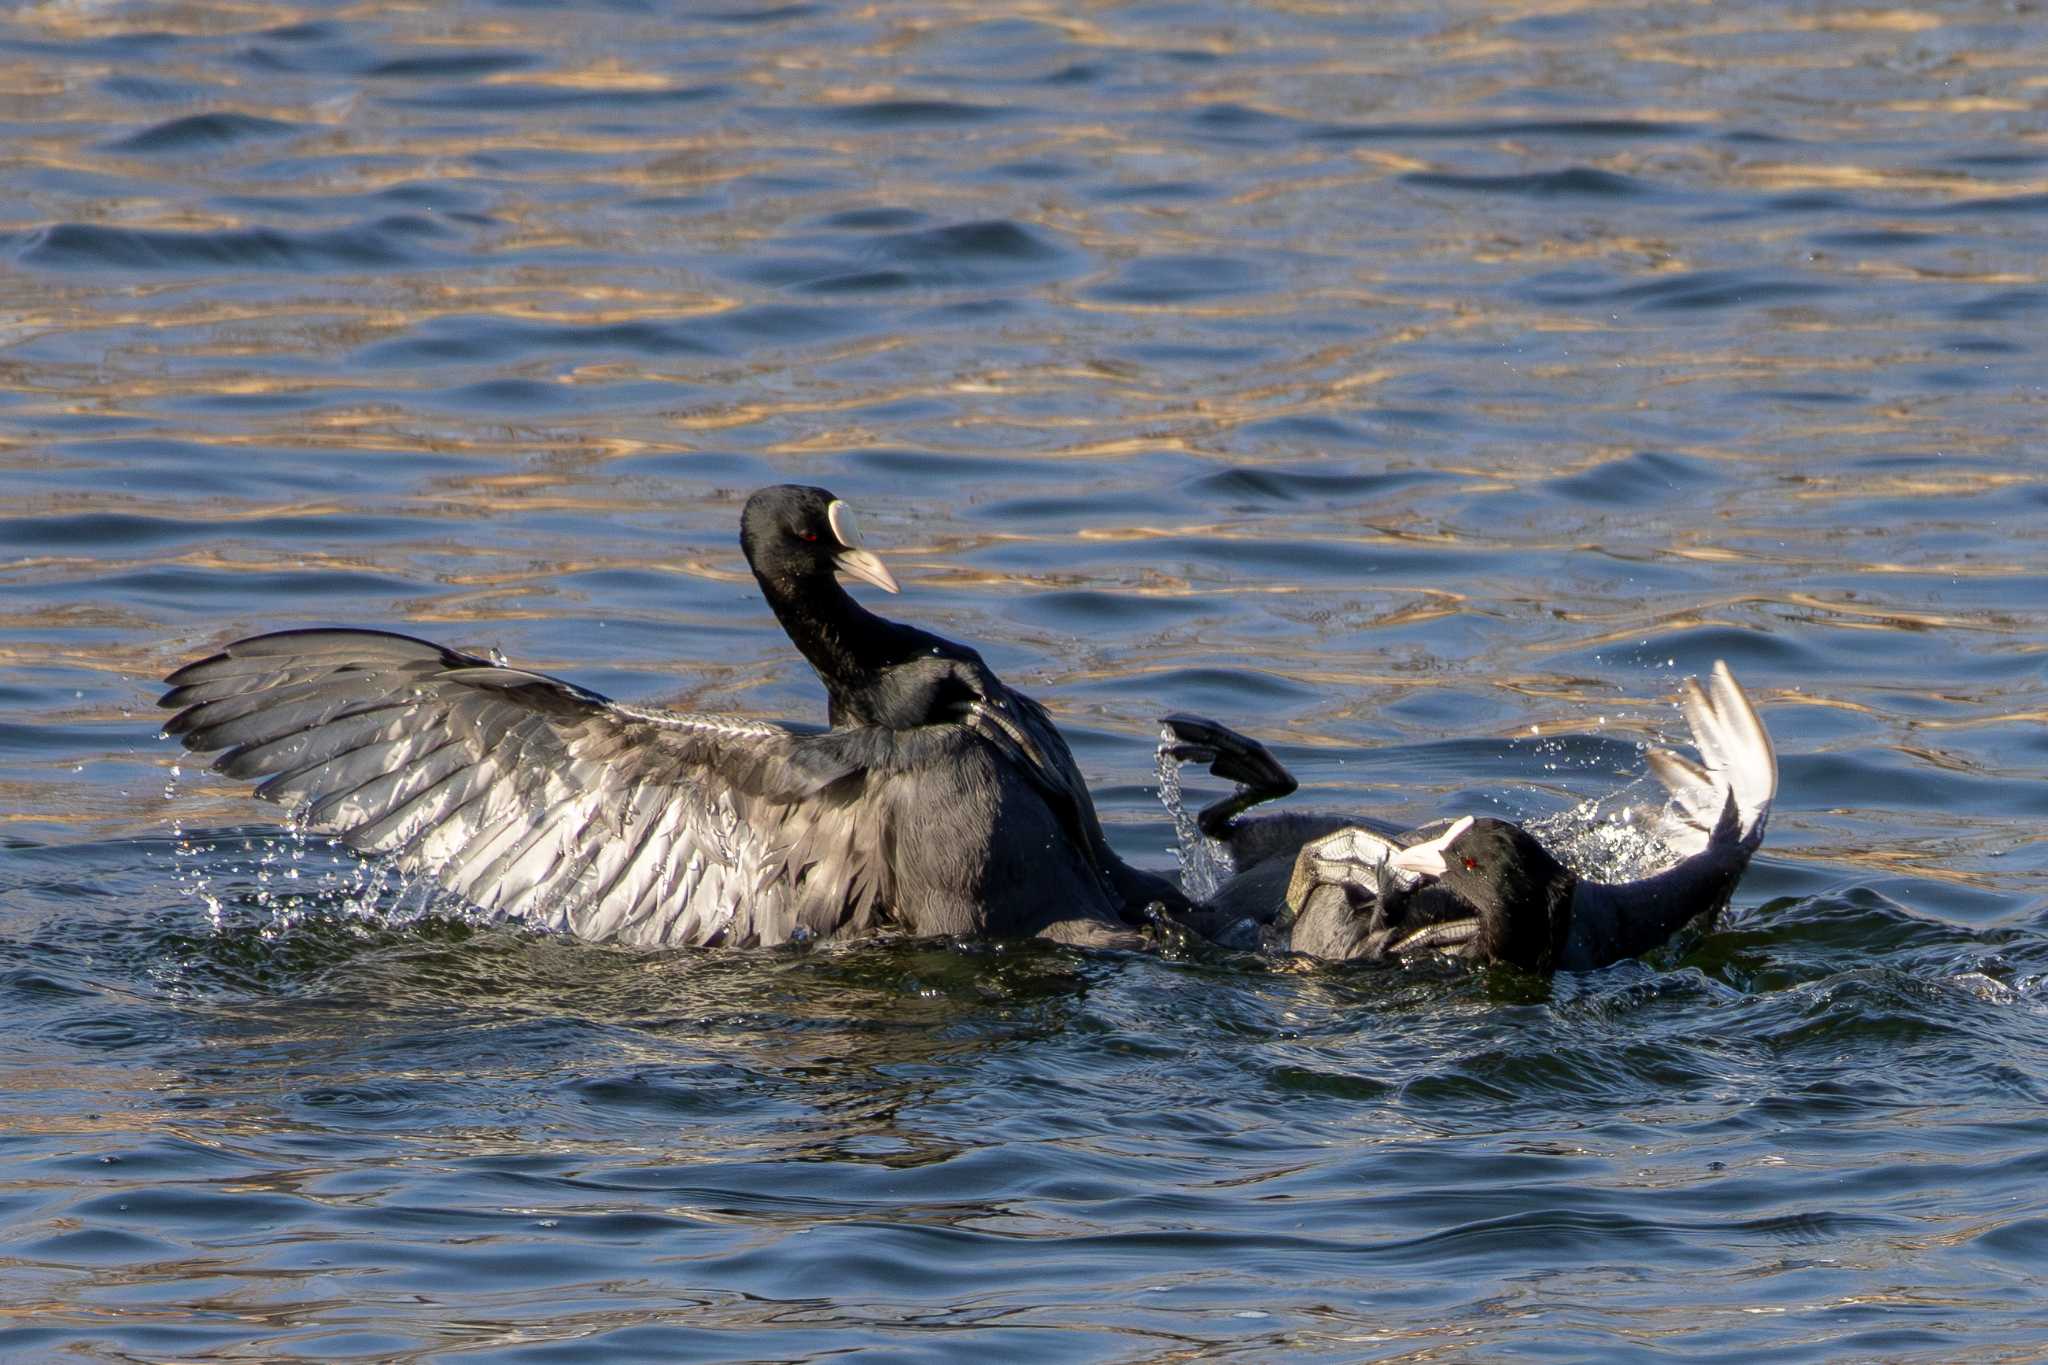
1719 807
1020 729
1737 761
1023 731
541 801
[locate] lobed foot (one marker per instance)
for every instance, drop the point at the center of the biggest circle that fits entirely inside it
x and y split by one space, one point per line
1233 757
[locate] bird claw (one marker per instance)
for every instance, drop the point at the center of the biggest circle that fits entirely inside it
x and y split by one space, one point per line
1353 860
1231 756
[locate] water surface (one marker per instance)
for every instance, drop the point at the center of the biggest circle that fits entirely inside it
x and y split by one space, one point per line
1424 388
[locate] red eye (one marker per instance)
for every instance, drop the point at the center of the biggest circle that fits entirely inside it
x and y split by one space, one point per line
1471 864
811 536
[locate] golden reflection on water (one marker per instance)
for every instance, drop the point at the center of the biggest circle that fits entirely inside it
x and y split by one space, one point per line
1531 390
1320 372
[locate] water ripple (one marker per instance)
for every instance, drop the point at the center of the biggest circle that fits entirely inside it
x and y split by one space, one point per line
1422 390
197 131
392 240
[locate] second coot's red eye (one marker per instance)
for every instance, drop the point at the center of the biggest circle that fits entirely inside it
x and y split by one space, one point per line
1471 864
808 535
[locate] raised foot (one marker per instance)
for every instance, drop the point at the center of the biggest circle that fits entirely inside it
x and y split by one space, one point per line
1231 756
1352 860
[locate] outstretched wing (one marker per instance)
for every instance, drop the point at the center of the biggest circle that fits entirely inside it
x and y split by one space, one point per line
1738 768
1715 820
539 800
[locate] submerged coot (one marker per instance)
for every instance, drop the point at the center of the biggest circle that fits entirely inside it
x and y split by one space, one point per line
1480 888
941 802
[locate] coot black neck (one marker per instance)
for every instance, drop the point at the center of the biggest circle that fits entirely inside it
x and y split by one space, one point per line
850 647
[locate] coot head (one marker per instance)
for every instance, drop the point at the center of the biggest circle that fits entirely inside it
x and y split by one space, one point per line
1489 891
793 534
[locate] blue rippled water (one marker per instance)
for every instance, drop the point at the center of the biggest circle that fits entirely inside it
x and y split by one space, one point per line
1422 388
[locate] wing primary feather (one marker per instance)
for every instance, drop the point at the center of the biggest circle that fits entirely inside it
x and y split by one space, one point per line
295 786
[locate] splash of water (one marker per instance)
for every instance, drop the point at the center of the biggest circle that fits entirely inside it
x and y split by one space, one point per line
274 881
1615 838
1204 864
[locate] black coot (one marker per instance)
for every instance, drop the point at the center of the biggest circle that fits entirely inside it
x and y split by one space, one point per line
940 802
884 673
1335 887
